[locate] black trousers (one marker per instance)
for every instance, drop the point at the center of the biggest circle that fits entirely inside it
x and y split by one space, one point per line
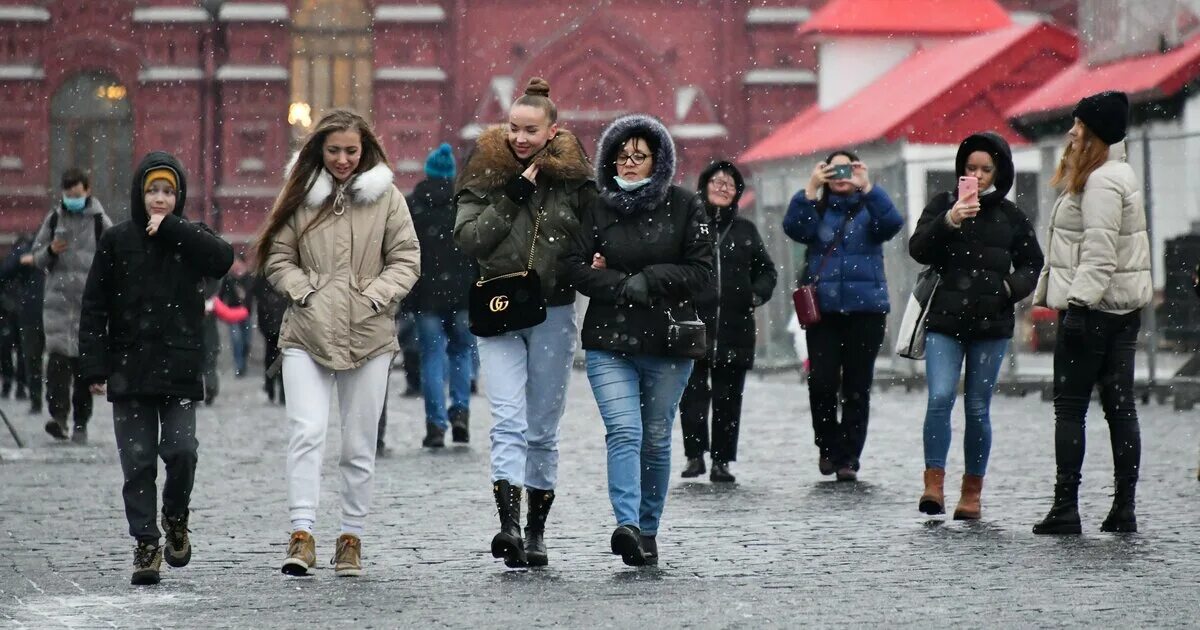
65 389
1102 355
721 388
842 350
33 346
140 443
12 354
273 385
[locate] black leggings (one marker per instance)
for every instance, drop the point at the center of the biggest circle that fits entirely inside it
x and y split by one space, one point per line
842 350
1103 354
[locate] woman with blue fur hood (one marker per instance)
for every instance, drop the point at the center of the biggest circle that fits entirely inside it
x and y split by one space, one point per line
643 251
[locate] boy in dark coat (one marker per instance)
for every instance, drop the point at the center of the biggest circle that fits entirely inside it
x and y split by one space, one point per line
141 339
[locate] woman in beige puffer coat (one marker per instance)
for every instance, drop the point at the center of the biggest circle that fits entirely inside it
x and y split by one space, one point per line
341 245
1097 275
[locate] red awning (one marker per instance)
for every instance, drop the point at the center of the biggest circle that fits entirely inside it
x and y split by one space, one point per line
906 17
938 96
1146 78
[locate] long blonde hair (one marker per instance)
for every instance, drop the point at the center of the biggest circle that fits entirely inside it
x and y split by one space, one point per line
1077 164
309 162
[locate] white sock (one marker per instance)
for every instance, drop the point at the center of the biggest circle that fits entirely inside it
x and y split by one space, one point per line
354 530
302 525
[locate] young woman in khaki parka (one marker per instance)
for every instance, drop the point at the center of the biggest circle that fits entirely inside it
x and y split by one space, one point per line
340 244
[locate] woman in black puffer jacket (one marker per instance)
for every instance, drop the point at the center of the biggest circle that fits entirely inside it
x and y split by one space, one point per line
644 250
987 255
746 278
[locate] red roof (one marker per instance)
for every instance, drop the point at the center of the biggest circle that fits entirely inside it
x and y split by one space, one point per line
906 17
1147 78
939 95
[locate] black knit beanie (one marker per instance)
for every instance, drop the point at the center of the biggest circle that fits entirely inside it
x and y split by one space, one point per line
1106 114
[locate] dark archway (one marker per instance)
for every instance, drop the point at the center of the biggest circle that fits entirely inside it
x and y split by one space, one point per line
91 127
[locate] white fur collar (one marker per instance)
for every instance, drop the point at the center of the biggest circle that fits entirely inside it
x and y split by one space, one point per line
366 187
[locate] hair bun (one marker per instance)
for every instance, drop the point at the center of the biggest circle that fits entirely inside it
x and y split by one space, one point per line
538 87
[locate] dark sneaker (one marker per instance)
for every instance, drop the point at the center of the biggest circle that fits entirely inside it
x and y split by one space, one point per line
302 554
57 428
435 437
846 473
826 466
178 552
147 560
460 421
720 473
347 561
79 436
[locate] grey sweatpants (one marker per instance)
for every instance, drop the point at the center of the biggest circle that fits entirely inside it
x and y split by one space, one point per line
140 443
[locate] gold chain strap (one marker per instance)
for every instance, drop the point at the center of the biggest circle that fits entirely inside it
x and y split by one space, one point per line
537 224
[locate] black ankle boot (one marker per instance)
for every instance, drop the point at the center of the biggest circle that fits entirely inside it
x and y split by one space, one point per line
627 542
508 544
535 529
1064 514
650 548
694 468
1121 518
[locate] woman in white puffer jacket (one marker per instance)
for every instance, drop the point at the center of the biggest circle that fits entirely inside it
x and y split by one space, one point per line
1097 275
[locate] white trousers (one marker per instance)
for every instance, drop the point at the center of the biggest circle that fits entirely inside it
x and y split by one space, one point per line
361 393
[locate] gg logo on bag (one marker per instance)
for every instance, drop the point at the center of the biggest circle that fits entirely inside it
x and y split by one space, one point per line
498 303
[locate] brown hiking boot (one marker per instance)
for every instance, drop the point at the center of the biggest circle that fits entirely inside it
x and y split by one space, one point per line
347 562
933 499
302 554
969 508
147 561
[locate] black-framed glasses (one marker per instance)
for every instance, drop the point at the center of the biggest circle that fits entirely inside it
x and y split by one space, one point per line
722 184
637 159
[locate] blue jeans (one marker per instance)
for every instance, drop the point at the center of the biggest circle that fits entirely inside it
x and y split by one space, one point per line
447 354
943 364
239 337
525 375
638 396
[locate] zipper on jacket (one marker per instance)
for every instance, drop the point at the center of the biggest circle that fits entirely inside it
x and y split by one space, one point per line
717 326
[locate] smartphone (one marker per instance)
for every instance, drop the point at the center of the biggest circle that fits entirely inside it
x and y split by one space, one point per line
968 189
843 171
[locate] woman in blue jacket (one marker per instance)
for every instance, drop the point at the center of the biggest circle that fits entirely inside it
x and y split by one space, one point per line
844 221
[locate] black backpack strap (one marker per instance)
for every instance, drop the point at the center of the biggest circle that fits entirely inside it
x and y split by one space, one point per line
99 227
53 223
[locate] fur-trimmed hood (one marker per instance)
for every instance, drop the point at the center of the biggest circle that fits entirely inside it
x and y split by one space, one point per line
366 187
492 162
662 146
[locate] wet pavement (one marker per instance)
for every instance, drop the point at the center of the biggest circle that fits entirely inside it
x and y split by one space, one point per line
783 547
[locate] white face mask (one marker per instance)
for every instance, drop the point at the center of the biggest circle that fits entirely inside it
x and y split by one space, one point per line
632 186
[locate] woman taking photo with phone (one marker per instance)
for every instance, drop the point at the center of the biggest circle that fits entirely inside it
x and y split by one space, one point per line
987 255
641 255
844 220
519 199
1097 276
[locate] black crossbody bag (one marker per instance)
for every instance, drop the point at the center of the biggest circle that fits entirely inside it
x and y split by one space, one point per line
509 302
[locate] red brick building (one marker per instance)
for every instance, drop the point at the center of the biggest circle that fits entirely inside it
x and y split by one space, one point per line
229 86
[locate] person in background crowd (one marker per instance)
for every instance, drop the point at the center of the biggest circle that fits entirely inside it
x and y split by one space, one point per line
12 358
984 249
19 265
340 328
236 290
63 249
844 220
139 335
517 173
746 278
1097 275
642 254
211 342
440 301
269 306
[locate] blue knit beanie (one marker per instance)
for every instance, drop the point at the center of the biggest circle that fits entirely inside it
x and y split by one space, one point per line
440 163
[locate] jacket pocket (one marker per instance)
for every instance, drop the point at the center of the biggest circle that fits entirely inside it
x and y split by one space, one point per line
184 359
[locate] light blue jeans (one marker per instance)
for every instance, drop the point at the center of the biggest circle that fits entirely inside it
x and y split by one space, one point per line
944 357
638 397
447 354
525 375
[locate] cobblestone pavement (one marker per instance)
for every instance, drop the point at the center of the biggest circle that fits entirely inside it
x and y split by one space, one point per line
784 547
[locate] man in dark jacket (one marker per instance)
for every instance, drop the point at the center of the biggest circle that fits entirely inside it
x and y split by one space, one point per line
19 266
440 302
141 335
746 278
